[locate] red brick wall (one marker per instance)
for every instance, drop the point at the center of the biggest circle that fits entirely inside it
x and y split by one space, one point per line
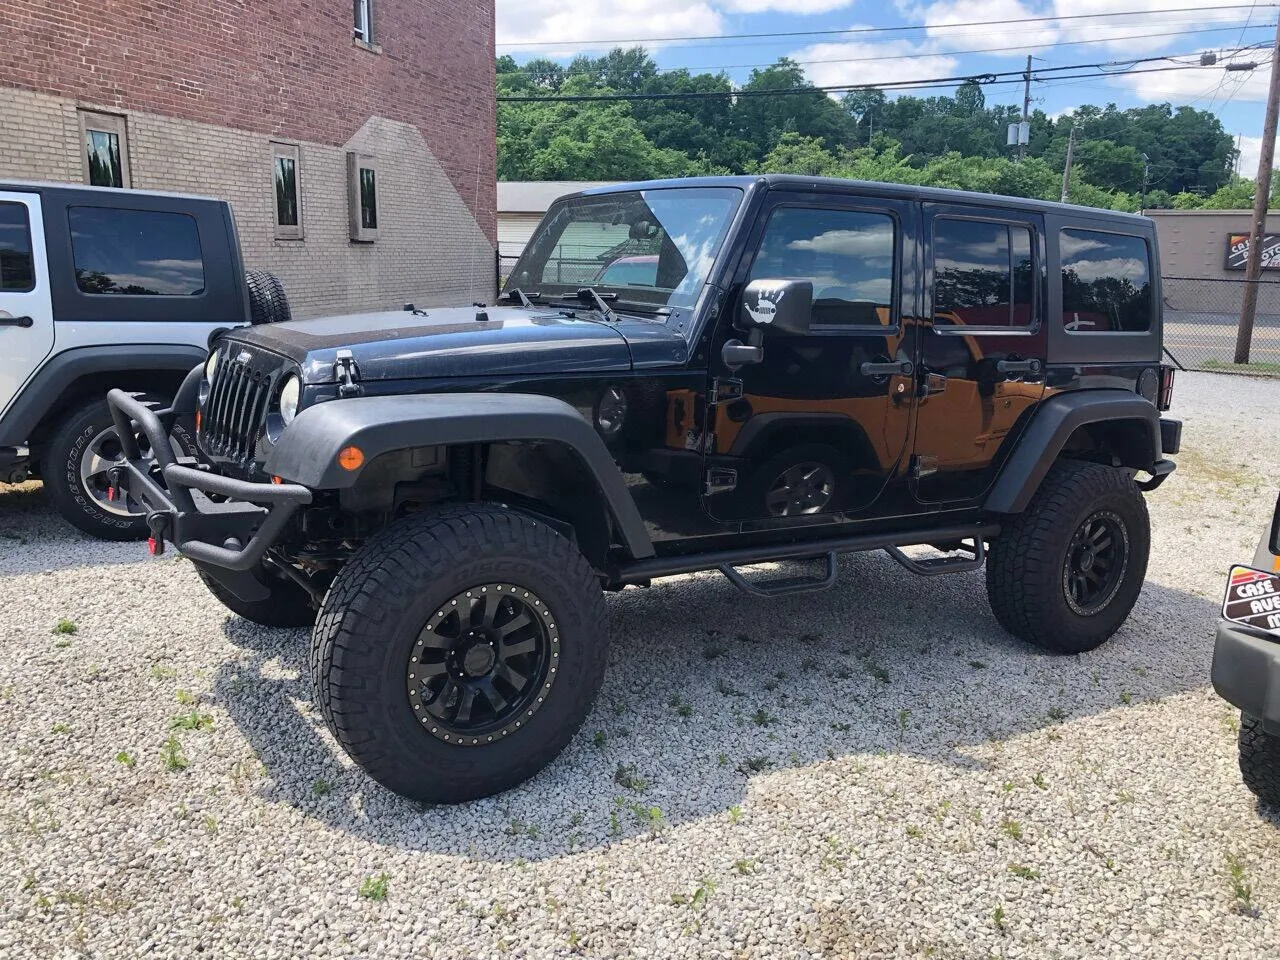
287 68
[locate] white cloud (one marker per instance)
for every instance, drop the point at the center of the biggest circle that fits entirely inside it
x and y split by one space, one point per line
521 21
1250 151
1201 86
1029 37
786 6
869 61
1152 16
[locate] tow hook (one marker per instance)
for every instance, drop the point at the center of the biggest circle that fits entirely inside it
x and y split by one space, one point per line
158 524
113 485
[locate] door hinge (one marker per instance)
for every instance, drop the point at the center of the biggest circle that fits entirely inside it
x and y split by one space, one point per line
720 480
724 389
923 466
348 375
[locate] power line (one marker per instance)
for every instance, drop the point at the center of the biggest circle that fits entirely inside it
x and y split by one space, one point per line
940 53
865 30
985 79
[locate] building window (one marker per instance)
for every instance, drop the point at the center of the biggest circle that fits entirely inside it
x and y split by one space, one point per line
362 197
17 269
1106 282
136 252
106 149
363 21
983 274
286 164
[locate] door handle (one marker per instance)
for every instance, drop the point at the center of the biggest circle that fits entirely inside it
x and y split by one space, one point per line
23 322
1018 366
899 367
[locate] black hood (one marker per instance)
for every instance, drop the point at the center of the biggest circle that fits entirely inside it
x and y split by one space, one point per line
448 342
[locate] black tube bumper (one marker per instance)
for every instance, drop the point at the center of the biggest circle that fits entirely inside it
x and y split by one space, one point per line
232 536
1246 672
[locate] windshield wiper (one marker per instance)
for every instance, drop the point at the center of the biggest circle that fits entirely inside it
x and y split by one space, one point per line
597 300
515 293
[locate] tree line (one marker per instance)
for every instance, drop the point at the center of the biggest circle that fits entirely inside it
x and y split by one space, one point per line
953 141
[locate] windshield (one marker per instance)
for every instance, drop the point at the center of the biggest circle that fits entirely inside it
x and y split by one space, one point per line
647 246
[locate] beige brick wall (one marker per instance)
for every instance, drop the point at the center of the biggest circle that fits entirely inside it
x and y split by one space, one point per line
430 250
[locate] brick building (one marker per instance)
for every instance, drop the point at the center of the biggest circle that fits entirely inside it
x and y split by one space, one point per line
354 138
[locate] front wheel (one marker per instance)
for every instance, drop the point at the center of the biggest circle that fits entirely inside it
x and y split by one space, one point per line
1065 573
1260 760
77 466
458 651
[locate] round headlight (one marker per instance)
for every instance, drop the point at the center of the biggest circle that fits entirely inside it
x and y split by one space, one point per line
211 365
290 393
611 412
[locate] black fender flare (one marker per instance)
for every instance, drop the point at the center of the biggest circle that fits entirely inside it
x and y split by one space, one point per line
307 452
1054 421
48 384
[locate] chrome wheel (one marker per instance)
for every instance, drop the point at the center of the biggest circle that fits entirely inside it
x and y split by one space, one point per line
102 454
804 488
483 664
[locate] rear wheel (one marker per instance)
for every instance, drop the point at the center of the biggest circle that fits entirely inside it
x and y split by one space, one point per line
804 480
77 464
1260 760
1065 573
458 651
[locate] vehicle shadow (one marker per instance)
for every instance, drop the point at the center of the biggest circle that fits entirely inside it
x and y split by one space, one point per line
708 688
29 527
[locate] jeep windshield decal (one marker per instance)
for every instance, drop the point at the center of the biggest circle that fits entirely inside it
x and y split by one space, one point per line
649 247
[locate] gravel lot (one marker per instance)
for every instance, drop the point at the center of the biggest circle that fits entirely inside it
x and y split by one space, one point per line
877 771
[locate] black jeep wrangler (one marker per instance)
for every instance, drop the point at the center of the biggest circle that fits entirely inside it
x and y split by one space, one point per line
780 369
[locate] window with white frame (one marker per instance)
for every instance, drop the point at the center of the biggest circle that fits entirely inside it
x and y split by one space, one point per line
363 15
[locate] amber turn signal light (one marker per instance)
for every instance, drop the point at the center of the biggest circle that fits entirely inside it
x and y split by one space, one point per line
351 458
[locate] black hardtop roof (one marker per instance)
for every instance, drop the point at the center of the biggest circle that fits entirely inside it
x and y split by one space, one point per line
42 186
901 191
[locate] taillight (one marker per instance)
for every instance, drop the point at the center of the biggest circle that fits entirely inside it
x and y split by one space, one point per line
1166 387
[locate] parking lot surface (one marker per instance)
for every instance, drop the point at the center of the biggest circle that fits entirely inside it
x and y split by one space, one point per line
874 771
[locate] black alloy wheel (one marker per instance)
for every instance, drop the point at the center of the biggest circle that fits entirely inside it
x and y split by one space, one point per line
483 664
1097 558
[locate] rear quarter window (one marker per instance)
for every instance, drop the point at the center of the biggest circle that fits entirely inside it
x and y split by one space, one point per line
136 252
1106 282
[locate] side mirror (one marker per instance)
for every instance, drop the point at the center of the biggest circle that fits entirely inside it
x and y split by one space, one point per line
785 305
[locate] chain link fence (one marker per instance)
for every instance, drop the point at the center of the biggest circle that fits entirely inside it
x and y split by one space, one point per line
1201 317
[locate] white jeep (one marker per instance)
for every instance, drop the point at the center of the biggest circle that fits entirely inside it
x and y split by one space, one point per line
103 288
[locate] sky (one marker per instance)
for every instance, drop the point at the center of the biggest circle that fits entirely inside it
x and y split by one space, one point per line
944 44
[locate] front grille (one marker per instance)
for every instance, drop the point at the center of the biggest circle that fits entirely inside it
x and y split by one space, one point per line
235 410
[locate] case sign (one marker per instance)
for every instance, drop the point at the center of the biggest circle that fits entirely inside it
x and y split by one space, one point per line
1238 251
1253 599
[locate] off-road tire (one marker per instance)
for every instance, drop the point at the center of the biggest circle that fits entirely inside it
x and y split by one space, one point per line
384 598
60 469
1260 760
1025 568
267 300
288 606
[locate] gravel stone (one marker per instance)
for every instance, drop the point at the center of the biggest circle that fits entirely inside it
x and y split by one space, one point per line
917 784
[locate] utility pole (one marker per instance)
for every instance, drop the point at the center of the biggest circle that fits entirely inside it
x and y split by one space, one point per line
1146 179
1066 170
1026 107
1261 199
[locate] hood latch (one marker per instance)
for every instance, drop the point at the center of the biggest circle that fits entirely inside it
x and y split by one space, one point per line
347 374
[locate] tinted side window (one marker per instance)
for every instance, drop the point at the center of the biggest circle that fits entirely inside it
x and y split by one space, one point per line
17 269
136 252
983 273
1106 282
847 254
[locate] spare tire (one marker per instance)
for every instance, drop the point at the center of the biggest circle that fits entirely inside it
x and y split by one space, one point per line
267 300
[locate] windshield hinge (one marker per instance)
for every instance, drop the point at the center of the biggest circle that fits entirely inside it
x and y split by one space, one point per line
347 374
725 389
